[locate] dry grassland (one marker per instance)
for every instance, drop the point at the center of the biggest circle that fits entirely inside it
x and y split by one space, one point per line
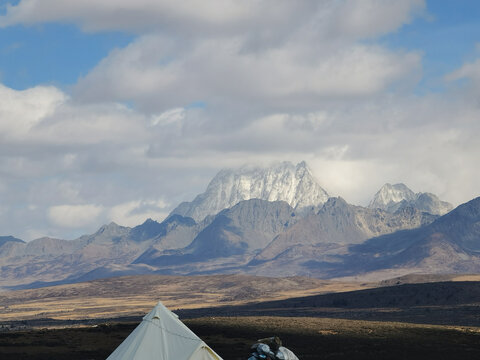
136 295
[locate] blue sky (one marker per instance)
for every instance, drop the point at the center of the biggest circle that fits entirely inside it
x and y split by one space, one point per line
56 54
119 110
447 36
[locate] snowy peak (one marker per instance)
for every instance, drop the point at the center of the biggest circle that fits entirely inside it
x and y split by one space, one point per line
111 229
432 204
395 197
293 184
390 195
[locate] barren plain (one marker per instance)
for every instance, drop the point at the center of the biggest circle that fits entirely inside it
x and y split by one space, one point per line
136 295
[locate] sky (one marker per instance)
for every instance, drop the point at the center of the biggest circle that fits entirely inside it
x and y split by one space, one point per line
117 110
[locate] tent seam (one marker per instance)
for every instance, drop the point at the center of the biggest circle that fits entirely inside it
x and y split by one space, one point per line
170 332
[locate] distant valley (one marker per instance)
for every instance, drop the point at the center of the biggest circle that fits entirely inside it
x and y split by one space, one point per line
273 222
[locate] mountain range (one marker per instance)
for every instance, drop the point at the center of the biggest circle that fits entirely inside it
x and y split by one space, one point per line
276 221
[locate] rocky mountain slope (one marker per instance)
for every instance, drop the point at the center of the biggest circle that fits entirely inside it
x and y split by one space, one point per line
338 224
450 244
241 230
9 239
112 246
246 227
279 223
293 184
265 238
398 196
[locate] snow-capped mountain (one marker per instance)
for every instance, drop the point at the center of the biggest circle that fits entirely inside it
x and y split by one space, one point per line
276 221
394 197
293 184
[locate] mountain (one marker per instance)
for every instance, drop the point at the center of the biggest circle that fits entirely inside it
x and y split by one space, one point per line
293 184
268 238
257 237
450 244
152 229
328 233
246 227
243 229
9 239
394 197
177 232
276 222
49 259
109 251
9 246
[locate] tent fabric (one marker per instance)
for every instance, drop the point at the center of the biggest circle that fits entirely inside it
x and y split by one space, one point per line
162 336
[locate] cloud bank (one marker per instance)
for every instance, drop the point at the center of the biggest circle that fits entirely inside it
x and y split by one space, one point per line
214 84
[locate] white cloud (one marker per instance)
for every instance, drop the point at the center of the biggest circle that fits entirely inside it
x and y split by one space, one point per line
74 216
133 213
169 117
262 54
353 149
220 73
20 111
468 76
366 18
143 15
47 115
469 70
277 80
225 17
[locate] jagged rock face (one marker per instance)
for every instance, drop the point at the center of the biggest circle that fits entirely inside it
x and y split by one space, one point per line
151 229
338 224
243 229
175 232
392 198
450 244
293 184
390 195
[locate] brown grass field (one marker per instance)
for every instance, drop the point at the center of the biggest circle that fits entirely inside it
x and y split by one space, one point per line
136 295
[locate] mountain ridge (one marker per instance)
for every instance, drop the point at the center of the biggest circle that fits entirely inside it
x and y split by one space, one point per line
326 238
437 247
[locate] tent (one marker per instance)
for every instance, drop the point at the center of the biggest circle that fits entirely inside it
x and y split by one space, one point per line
162 336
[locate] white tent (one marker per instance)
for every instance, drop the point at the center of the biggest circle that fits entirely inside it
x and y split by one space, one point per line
162 336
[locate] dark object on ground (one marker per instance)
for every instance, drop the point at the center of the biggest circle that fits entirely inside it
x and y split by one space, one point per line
274 342
271 349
